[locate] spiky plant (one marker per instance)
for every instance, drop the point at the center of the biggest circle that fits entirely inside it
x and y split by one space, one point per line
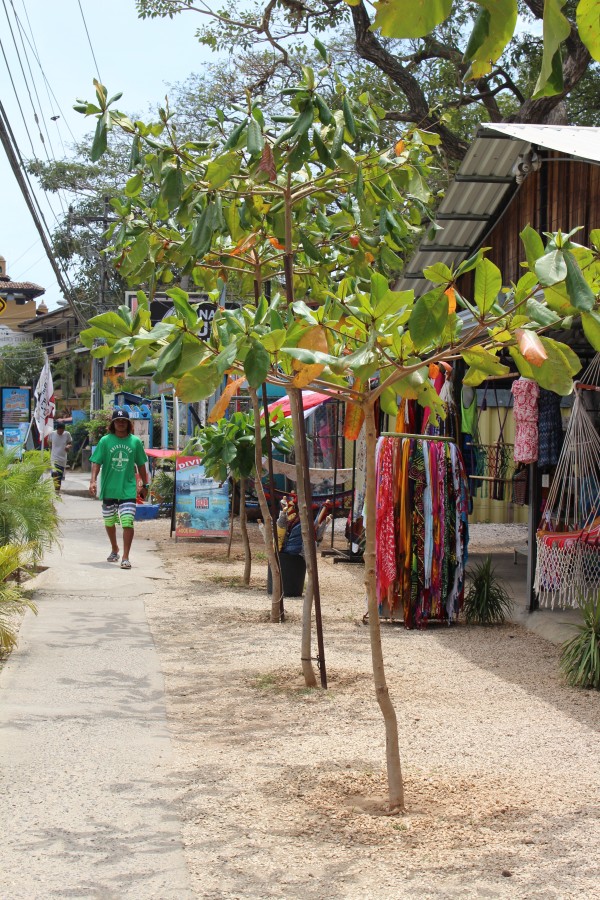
580 656
12 601
487 600
28 515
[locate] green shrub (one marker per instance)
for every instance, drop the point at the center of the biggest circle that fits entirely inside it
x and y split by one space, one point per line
28 517
12 600
580 656
487 600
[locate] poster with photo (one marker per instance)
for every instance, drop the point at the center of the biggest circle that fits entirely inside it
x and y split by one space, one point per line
16 405
201 504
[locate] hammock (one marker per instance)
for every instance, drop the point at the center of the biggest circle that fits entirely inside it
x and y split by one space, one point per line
490 465
568 538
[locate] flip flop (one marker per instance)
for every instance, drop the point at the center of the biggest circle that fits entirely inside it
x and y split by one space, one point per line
114 557
125 564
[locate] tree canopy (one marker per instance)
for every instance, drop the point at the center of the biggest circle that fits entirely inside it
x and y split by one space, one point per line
436 59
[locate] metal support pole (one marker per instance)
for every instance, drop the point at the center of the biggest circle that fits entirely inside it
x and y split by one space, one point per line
534 510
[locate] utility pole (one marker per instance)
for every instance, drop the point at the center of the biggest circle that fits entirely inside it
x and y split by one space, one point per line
97 399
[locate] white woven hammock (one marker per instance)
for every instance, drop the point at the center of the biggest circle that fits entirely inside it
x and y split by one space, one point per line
568 538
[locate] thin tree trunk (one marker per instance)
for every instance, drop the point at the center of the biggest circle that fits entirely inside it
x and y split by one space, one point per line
296 409
394 769
266 514
231 516
244 529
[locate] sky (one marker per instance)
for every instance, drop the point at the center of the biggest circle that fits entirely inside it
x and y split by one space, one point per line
138 57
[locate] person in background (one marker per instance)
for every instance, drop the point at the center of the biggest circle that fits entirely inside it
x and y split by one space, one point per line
59 441
118 454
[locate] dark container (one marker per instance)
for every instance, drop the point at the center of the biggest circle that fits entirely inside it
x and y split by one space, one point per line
293 573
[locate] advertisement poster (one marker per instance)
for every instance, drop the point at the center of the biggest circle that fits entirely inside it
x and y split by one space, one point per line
201 504
14 438
15 405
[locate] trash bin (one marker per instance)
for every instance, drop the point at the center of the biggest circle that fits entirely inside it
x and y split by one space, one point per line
293 573
86 465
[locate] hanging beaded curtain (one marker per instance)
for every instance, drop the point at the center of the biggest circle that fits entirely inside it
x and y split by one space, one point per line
568 537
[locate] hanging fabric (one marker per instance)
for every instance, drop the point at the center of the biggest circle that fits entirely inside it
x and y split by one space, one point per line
568 537
421 528
492 464
550 430
526 393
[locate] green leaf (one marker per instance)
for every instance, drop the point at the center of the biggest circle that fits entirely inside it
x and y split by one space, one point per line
389 401
172 188
485 361
556 30
591 327
134 185
540 313
555 373
111 323
379 288
138 252
473 377
182 305
428 319
202 232
274 340
551 267
534 245
309 248
199 384
580 293
100 140
410 20
226 358
192 354
571 357
168 360
256 365
393 303
493 29
438 273
222 168
255 140
488 284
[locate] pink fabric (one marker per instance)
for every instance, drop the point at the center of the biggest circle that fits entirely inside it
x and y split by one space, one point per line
384 524
526 395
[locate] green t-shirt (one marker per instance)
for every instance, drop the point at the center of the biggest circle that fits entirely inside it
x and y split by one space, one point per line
119 458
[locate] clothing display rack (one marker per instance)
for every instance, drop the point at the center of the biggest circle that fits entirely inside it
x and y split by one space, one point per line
421 528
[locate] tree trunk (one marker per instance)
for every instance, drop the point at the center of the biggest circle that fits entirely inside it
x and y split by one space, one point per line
231 516
394 770
264 508
244 530
297 410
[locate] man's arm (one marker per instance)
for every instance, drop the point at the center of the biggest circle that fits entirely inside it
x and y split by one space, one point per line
143 473
94 478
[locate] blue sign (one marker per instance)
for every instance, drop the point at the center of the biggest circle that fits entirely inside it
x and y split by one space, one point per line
201 503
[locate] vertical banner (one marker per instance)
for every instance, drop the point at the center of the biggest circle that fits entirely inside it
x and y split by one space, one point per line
13 439
44 403
201 504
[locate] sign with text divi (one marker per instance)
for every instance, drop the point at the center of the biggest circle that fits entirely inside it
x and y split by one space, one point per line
201 503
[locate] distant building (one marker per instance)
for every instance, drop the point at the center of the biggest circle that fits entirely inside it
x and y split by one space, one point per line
17 303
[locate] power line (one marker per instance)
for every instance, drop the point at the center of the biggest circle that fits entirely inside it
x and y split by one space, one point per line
13 262
89 41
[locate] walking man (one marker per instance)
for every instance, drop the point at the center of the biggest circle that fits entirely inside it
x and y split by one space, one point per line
60 441
118 454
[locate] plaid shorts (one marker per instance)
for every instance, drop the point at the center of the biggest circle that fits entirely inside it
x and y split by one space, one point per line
118 510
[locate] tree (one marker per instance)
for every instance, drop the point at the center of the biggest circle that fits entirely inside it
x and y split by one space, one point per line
227 448
21 364
321 205
422 47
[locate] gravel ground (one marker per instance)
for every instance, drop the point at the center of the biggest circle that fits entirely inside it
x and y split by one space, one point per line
281 788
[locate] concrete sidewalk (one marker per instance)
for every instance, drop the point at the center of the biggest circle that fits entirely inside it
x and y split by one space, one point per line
88 787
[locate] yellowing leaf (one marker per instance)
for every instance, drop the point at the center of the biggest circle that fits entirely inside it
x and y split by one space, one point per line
410 20
220 407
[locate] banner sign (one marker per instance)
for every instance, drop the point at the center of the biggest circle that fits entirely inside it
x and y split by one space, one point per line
14 438
201 504
16 405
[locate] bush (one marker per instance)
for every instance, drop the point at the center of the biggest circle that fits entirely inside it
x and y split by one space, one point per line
12 601
487 601
580 656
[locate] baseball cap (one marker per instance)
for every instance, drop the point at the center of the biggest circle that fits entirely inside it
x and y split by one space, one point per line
120 414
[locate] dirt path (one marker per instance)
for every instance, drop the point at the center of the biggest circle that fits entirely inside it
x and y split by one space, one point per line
277 784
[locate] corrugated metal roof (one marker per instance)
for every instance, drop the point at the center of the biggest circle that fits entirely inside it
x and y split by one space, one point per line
574 140
483 186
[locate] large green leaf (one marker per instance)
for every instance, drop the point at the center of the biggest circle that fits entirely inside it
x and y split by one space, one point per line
169 359
591 327
438 273
256 365
556 30
199 384
410 20
111 323
393 303
485 361
588 25
389 401
274 340
428 319
488 284
580 293
573 361
534 245
551 267
181 301
540 313
555 373
221 168
493 29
